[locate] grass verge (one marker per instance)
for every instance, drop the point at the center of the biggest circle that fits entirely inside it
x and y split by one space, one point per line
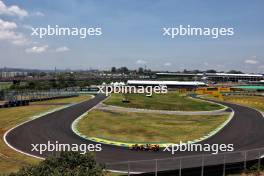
256 102
171 101
64 100
10 160
5 85
147 128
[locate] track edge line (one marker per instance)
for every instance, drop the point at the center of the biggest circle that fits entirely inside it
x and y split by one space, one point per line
29 120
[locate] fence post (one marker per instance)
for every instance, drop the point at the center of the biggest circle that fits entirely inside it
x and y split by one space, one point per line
128 168
156 167
224 165
180 173
202 171
245 161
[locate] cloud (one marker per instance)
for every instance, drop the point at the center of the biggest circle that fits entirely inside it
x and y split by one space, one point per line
37 49
26 26
38 14
62 49
206 63
12 10
261 67
220 66
141 61
251 61
8 29
8 33
6 25
21 41
167 64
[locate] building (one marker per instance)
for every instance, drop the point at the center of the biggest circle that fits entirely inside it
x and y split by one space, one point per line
12 74
216 77
250 88
169 84
226 77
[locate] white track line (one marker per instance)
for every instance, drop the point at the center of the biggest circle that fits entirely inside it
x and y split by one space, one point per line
73 127
31 119
75 122
262 113
4 156
124 172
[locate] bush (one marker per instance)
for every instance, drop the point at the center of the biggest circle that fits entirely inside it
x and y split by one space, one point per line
67 164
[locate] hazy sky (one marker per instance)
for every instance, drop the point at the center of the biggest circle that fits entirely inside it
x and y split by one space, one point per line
132 34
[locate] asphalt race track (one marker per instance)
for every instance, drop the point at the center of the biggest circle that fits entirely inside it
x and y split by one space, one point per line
245 131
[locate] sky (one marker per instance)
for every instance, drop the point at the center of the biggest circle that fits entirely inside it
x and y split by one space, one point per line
132 34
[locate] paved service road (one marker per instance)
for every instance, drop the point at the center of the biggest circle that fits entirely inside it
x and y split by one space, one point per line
245 131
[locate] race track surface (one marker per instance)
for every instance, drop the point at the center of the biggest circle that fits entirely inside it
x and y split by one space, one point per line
245 131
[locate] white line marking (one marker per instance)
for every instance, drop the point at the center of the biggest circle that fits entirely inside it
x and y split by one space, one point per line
4 156
124 172
31 119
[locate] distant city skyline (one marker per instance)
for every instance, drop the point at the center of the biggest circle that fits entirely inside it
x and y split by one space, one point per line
132 35
55 69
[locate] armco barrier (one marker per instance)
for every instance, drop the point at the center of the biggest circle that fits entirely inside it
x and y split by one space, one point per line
206 164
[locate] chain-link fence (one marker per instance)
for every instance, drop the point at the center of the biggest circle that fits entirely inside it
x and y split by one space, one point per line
35 95
10 98
200 164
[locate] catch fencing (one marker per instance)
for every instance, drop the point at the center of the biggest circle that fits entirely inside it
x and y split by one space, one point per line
10 98
219 164
35 95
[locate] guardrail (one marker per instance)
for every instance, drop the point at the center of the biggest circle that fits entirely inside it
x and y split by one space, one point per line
216 164
244 93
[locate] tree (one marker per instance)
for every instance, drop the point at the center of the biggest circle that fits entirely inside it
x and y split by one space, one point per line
235 72
113 69
211 71
197 71
32 85
42 74
124 70
140 70
185 71
67 164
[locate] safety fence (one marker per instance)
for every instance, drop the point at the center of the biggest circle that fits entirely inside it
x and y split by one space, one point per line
21 98
218 164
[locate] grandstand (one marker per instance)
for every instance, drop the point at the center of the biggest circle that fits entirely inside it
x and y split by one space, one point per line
169 84
217 77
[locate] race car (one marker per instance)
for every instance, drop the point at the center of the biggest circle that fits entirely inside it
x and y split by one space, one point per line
145 147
